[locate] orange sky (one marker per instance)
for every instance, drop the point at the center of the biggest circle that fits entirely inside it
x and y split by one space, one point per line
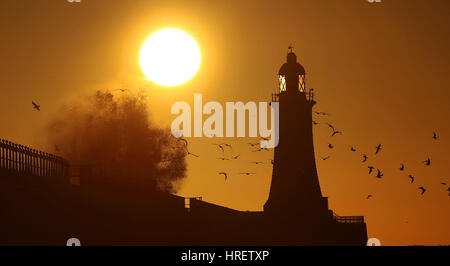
381 70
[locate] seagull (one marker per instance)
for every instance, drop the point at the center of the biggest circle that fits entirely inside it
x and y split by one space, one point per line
36 106
190 153
378 148
257 162
122 90
220 147
325 158
365 158
402 168
224 174
261 149
330 146
370 169
369 196
235 157
246 173
427 162
423 190
412 178
379 174
334 130
435 136
352 149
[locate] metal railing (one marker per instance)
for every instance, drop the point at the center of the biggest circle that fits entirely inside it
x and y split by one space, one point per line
24 160
349 219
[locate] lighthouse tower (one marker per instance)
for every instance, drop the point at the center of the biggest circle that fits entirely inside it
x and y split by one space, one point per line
295 188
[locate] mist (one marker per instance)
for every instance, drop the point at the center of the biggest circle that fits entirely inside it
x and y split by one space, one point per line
113 133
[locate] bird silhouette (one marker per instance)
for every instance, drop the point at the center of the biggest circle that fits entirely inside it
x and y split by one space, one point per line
370 169
235 157
122 90
224 174
330 146
261 149
325 158
220 147
334 130
36 106
423 190
427 162
190 153
412 178
378 148
364 158
435 136
352 149
379 174
257 163
321 113
443 183
402 168
246 173
369 196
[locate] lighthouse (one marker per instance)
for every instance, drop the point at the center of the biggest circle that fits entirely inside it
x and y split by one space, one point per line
295 187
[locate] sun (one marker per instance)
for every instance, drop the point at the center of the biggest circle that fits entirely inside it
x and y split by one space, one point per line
170 57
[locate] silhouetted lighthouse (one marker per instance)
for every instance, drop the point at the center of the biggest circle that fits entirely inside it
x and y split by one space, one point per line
295 185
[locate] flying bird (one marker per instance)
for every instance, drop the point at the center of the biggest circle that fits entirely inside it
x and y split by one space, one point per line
330 146
325 158
378 148
443 183
36 106
334 130
220 147
435 136
379 174
412 178
352 149
370 169
423 190
402 168
224 174
427 162
235 157
122 90
364 158
369 196
190 153
246 173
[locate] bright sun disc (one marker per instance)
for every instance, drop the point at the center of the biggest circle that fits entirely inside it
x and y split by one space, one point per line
170 57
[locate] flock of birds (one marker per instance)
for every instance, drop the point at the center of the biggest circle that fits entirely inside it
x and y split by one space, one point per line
378 148
223 146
